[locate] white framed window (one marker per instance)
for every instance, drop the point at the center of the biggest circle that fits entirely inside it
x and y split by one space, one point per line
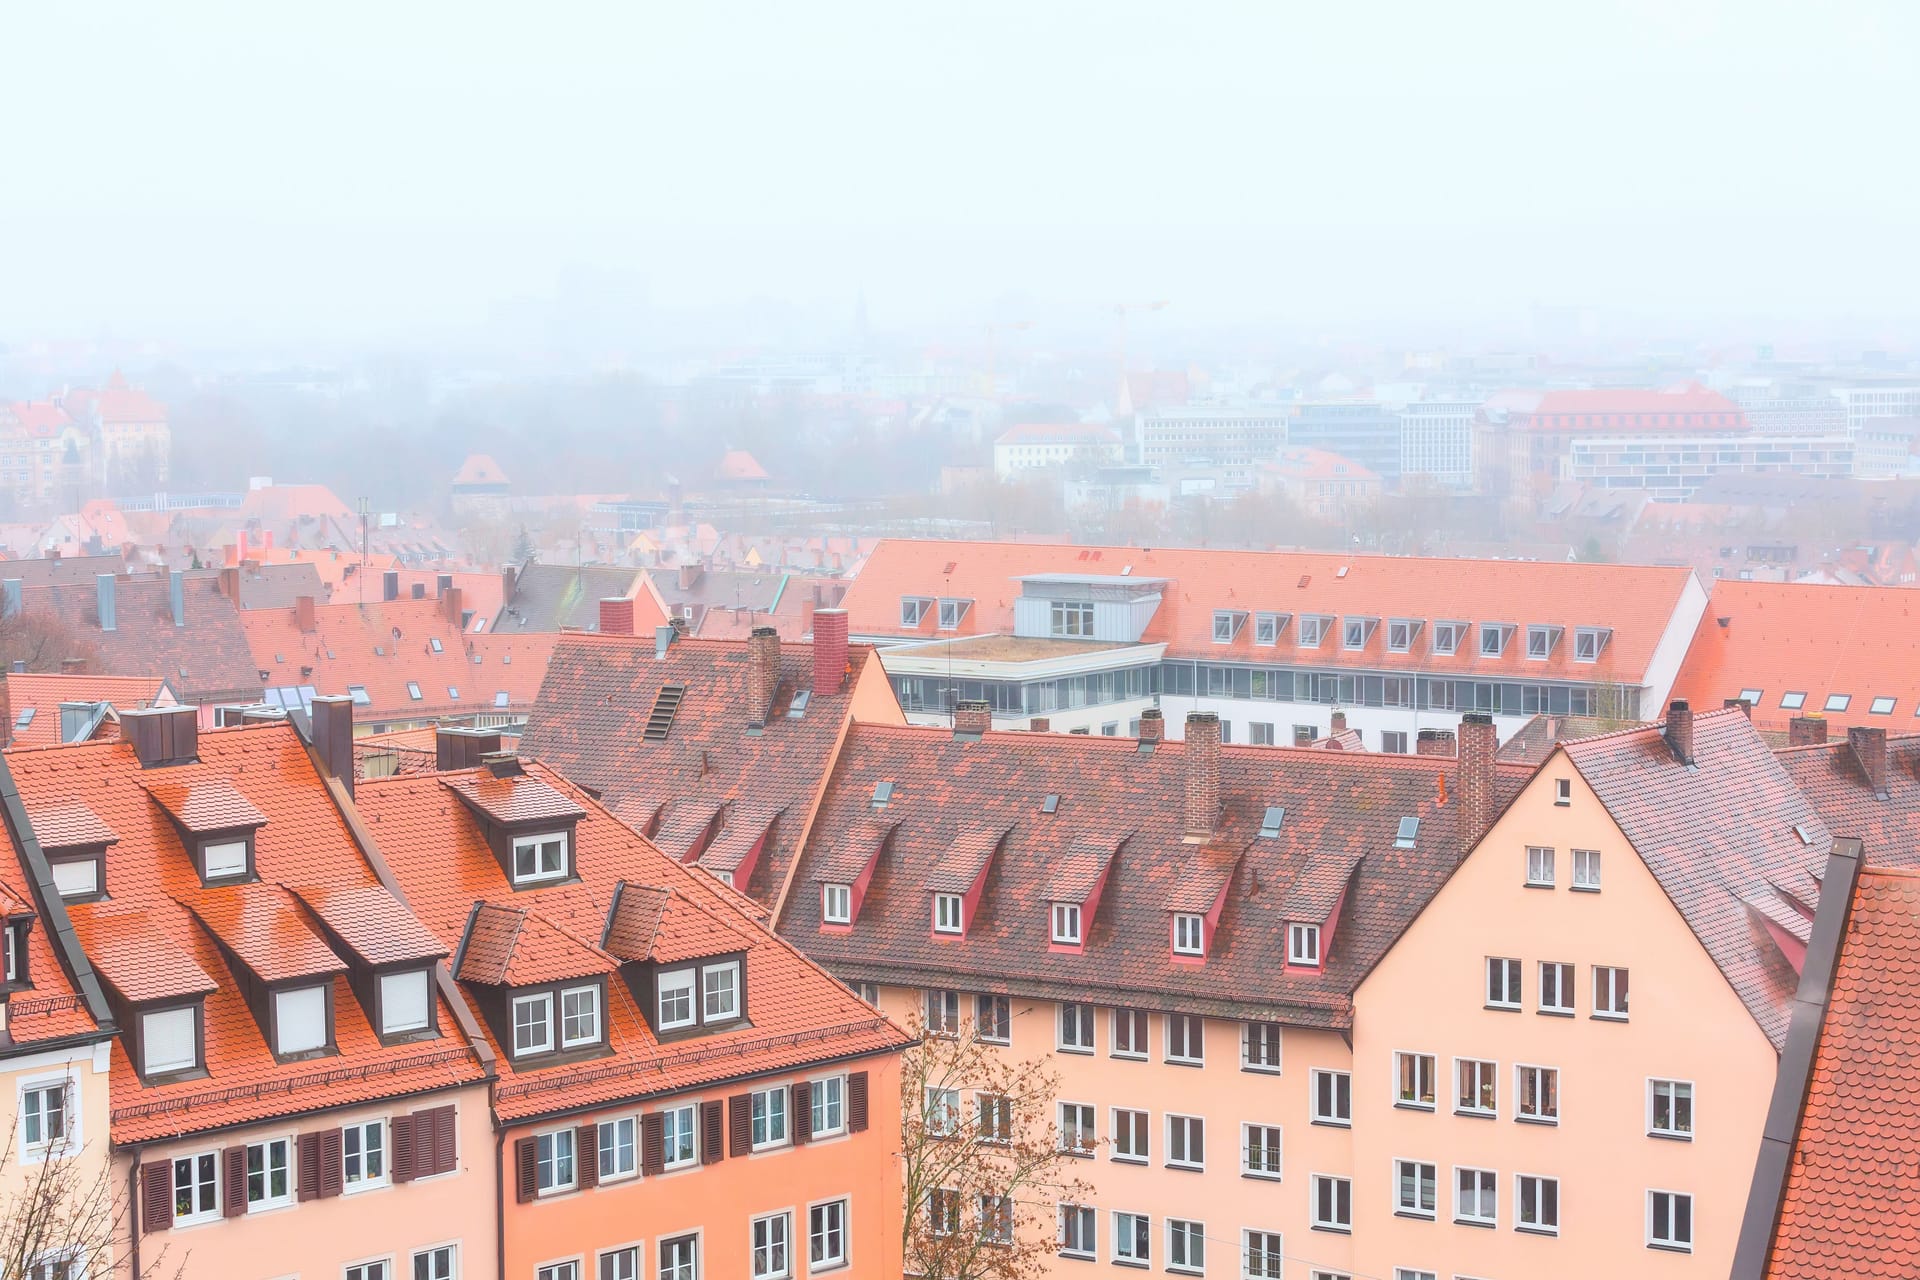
1189 934
1076 1128
1540 642
1077 1228
1070 618
300 1020
1266 1255
769 1108
554 1161
827 1099
1881 706
382 1269
48 1122
952 612
1503 983
438 1263
77 877
413 690
1132 1238
1332 1203
1670 1220
1413 1073
1536 1204
1332 1097
1266 628
196 1188
827 1236
1476 1199
1312 629
620 1264
1446 637
943 1013
993 1118
996 1219
1588 642
1186 1142
1186 1246
1355 632
836 903
678 1146
768 1249
1556 987
1586 870
1393 742
1076 1028
1536 1097
269 1174
948 913
363 1149
674 996
942 1113
1493 638
1129 1034
619 1149
680 1258
170 1040
404 1002
1610 992
1476 1087
533 1023
1066 923
993 1018
1186 1039
1226 625
1261 1150
1132 1137
1415 1192
223 860
1563 791
1670 1109
1539 866
540 857
913 609
1414 1273
720 991
1303 944
1400 634
1260 1047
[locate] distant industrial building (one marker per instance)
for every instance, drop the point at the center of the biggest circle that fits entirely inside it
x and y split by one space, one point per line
1436 442
1232 442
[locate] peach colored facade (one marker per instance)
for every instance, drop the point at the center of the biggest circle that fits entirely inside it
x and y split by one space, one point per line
717 1203
1223 1195
1429 996
321 1238
83 1068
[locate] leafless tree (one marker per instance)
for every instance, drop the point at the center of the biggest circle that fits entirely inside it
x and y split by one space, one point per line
986 1168
40 639
65 1214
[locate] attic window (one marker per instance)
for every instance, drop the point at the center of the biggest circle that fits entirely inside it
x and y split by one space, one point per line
1541 640
1303 944
913 609
1494 637
222 860
1589 641
1446 637
1355 632
413 691
453 692
882 792
1267 627
1750 696
1800 829
358 692
836 904
433 643
797 709
169 1040
25 719
1189 934
1838 701
947 913
379 652
539 858
1793 701
952 613
301 1025
476 660
1881 707
1051 804
1270 824
1066 924
1227 624
1313 627
1401 633
1409 828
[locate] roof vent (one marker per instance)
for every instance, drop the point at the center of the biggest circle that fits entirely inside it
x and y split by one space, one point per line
502 764
1800 829
666 704
1409 828
1270 824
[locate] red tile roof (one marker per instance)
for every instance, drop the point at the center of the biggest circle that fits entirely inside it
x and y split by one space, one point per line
146 942
1689 406
45 692
205 661
440 855
513 799
1833 778
1341 807
1786 637
517 947
1638 603
264 926
1851 1203
69 825
204 804
373 923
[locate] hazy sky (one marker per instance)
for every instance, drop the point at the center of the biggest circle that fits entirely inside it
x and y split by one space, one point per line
393 168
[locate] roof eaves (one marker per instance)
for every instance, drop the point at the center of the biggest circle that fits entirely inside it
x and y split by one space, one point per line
53 908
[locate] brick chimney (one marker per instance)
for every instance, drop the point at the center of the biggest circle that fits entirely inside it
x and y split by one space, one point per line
1803 731
1473 775
829 650
1153 725
230 582
972 718
162 735
1746 708
453 604
72 666
1680 730
807 607
1869 747
1203 774
1040 724
333 736
1339 722
303 613
1434 742
463 748
616 616
690 574
763 672
509 574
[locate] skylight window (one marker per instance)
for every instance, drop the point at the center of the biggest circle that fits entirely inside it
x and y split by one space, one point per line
797 709
1409 828
358 692
26 718
1270 824
453 692
433 643
1051 804
413 691
1838 701
500 699
1800 829
1793 701
1750 696
1881 707
882 793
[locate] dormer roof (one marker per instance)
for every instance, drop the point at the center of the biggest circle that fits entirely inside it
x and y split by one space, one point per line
655 924
69 825
685 827
967 856
843 861
373 924
1204 875
1317 884
518 947
1073 875
140 959
205 805
746 826
515 801
263 927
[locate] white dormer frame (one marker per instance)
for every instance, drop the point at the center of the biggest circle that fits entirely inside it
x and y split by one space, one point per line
1357 632
1447 636
1066 928
1267 628
1189 933
836 904
1542 640
1227 624
1401 633
1303 943
1590 642
1312 629
1502 635
953 611
949 913
537 844
913 609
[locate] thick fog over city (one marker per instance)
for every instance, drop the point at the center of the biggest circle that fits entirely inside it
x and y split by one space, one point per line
745 641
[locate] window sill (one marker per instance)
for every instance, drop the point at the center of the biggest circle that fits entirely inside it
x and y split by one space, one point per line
1545 1120
1127 1057
1185 1168
1584 888
1075 1256
1414 1214
1534 884
1669 1137
1670 1248
1501 1008
1475 1222
1332 1228
1184 1062
1474 1113
1071 1048
1130 1262
1413 1106
1183 1271
1258 1175
1256 1069
1329 1122
1555 1013
1537 1231
1140 1160
1076 1154
1608 1017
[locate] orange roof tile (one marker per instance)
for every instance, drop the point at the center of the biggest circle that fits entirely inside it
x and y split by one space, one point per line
372 923
264 927
45 692
206 804
68 825
517 947
138 958
514 799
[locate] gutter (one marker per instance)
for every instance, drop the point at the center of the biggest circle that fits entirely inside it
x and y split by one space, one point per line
1778 1136
53 908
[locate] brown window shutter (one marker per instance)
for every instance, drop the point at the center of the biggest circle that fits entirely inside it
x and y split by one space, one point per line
588 1157
653 1136
156 1196
333 1169
800 1123
308 1170
440 1132
712 1133
402 1158
233 1182
740 1124
857 1102
526 1169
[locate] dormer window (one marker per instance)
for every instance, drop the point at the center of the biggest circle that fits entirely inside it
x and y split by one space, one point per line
1447 636
1494 637
169 1040
224 860
1355 632
1066 923
406 1003
539 857
1267 628
1401 633
1313 629
1070 618
579 1016
703 994
79 874
1589 641
1303 944
16 947
953 613
533 1024
947 913
675 1000
568 1016
1189 934
836 903
720 992
913 609
1541 641
303 1020
1227 624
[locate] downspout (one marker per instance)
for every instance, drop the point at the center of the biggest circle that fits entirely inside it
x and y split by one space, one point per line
133 1214
499 1195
